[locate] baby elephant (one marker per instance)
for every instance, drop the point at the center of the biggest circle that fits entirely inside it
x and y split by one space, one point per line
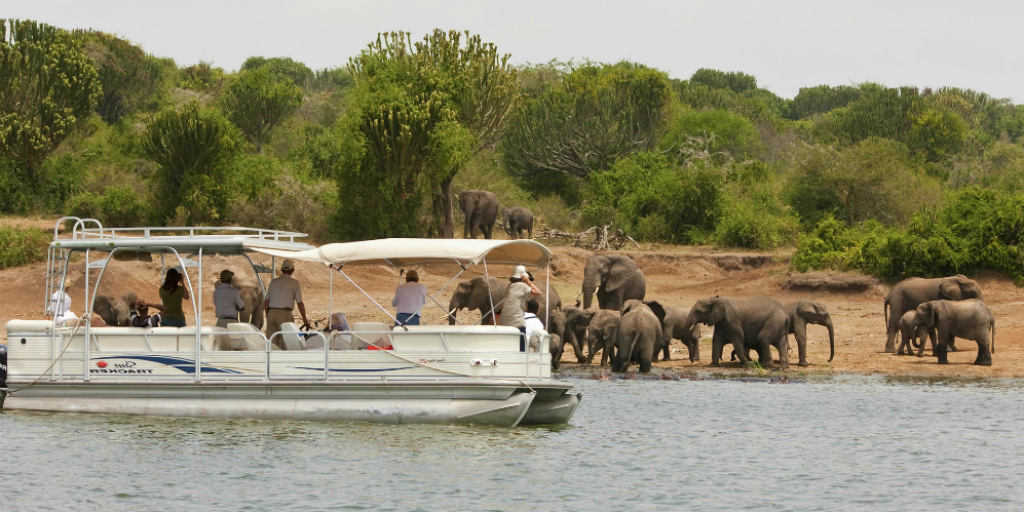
517 219
969 319
912 334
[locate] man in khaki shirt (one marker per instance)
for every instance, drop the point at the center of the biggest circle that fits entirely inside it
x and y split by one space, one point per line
282 295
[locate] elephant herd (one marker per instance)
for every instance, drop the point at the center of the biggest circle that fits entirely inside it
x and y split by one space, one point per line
480 210
626 329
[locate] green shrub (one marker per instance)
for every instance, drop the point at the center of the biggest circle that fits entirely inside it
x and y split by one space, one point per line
756 221
118 206
21 246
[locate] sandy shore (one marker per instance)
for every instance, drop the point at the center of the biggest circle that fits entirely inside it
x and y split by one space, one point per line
676 276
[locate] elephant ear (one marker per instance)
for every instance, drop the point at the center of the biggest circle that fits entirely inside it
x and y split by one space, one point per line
657 309
806 309
950 290
717 312
620 270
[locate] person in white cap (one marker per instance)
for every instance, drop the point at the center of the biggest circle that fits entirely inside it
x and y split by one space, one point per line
60 304
283 293
513 308
227 301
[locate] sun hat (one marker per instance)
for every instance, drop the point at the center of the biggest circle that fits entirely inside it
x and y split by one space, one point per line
287 265
520 271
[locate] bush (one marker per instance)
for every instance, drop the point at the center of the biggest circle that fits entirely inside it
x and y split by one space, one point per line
726 136
118 206
289 202
757 219
21 246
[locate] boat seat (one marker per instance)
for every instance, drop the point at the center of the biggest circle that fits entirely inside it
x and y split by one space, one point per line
164 339
242 336
365 334
118 339
28 326
289 337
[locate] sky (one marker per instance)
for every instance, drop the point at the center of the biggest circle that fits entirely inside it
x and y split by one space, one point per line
786 45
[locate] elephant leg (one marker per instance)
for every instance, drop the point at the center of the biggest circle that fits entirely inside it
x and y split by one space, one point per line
716 348
984 352
800 333
645 362
784 353
764 354
890 334
665 351
940 349
576 349
920 348
694 350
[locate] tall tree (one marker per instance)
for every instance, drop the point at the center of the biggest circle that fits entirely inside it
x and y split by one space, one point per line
194 149
258 101
594 116
47 88
129 76
466 74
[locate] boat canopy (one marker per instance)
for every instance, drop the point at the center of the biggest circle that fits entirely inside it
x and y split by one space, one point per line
411 252
223 240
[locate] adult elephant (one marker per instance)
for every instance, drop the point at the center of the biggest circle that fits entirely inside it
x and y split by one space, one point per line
252 296
480 208
484 294
909 293
803 312
637 337
517 219
615 277
756 322
114 311
969 319
675 327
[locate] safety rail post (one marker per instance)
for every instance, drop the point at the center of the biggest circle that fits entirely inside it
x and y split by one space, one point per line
88 315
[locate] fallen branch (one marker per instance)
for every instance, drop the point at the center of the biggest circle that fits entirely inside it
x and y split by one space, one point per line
596 238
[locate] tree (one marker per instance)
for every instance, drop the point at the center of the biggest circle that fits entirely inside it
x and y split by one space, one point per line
735 81
285 67
820 99
194 149
48 87
594 116
129 76
467 76
258 101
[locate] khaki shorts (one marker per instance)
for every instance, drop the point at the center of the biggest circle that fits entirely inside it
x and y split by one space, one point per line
276 317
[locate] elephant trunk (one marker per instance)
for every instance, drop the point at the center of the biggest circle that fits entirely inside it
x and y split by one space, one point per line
589 286
831 340
453 307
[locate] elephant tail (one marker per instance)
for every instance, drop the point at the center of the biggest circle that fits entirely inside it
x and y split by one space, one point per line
885 313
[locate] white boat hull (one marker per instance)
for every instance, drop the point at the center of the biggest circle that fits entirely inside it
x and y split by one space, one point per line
499 405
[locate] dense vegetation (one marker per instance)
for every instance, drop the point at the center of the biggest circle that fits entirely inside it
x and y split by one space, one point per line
891 181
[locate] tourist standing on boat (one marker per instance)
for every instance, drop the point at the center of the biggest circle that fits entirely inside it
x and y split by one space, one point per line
532 322
60 304
409 300
513 309
283 293
172 292
227 301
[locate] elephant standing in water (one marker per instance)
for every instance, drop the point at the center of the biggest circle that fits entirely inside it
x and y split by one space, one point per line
616 278
674 327
757 323
517 219
969 319
909 293
637 337
480 208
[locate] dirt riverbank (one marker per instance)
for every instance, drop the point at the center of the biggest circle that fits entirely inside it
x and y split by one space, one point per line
676 276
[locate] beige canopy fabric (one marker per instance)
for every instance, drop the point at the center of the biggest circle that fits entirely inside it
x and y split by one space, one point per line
409 252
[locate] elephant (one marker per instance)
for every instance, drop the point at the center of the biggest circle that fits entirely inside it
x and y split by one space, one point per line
661 344
252 296
575 330
115 311
473 294
595 327
756 322
637 337
480 208
969 319
616 277
557 323
912 334
517 219
907 294
803 312
674 327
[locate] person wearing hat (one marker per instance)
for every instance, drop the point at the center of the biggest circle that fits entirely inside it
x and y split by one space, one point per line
283 293
409 300
227 301
60 304
513 308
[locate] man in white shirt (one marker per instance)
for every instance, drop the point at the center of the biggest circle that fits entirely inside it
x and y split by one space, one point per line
60 305
532 322
283 293
227 301
409 300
